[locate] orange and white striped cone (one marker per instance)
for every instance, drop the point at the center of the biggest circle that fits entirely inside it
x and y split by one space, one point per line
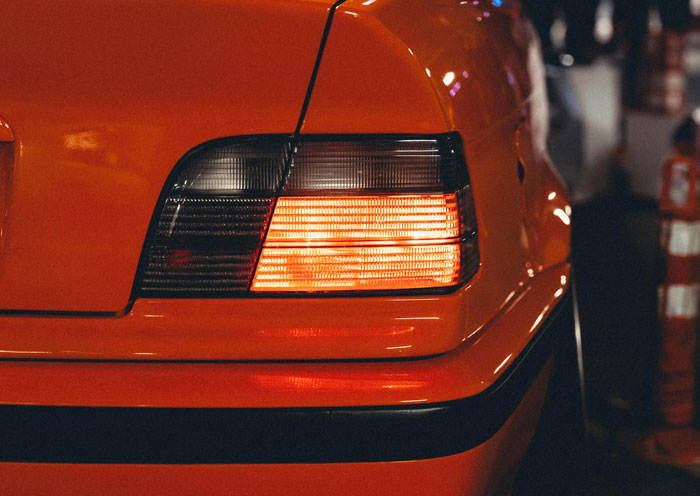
677 442
678 318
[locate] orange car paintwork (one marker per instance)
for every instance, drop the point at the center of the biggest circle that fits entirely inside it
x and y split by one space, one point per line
104 98
465 371
396 66
449 476
265 329
508 248
100 118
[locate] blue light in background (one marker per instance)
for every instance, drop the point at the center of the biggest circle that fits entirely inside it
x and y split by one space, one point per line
497 3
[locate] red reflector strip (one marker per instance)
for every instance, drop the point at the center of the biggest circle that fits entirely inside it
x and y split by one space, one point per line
389 219
357 268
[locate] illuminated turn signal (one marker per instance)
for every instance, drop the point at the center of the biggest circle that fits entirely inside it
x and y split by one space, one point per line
357 268
363 243
389 219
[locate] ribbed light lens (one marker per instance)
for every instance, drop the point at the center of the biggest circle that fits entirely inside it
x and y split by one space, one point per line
205 245
246 167
372 164
387 219
366 243
318 213
210 228
358 268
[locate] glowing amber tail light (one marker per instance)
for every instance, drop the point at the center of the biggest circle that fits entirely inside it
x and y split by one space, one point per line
313 213
385 219
362 243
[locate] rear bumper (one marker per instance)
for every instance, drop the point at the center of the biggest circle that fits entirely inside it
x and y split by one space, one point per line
86 423
486 469
386 433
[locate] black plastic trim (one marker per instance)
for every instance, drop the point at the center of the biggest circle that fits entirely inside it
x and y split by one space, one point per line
221 362
54 434
67 313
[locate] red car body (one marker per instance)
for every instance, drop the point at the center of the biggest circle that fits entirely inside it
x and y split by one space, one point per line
107 391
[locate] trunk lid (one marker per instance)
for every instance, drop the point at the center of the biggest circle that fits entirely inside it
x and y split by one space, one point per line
104 98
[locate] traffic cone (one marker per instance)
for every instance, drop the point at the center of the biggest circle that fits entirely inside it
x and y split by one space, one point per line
676 441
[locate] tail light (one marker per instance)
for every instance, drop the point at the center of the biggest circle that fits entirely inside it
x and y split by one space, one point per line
314 214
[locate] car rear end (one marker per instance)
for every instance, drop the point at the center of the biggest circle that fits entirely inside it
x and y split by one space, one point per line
275 247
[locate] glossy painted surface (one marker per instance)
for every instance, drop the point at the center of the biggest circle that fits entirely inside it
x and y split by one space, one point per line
393 66
522 228
100 117
104 98
460 474
468 370
90 208
92 218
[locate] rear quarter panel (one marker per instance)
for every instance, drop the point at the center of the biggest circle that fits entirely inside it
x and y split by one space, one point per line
475 67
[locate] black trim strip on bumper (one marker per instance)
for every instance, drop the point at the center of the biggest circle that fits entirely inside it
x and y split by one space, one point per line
275 435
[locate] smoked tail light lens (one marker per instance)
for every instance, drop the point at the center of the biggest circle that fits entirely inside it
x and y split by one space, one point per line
207 234
280 214
205 246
